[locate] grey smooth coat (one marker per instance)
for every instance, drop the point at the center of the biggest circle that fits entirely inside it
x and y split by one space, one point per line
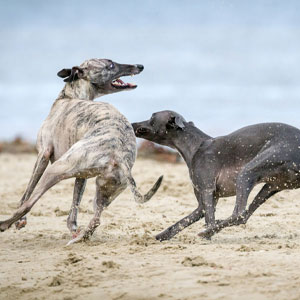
228 165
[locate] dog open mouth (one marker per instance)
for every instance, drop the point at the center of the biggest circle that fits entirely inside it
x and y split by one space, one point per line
120 84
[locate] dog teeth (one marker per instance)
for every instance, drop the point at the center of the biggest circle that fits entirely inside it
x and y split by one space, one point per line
118 83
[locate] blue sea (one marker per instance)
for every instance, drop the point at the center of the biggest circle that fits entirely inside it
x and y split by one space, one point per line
222 64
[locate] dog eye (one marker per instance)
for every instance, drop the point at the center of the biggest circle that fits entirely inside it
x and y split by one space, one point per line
111 66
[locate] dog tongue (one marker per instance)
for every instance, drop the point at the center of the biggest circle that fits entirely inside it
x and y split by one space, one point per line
131 84
120 81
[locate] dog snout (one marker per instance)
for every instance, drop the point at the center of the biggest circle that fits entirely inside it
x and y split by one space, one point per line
140 68
139 129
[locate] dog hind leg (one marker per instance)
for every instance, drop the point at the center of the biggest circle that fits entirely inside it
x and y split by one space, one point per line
107 189
264 165
267 191
39 168
55 173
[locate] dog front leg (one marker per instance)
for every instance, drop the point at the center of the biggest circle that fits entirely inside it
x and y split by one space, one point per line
79 187
208 198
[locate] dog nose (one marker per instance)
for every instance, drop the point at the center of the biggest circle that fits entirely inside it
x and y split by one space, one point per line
140 67
134 125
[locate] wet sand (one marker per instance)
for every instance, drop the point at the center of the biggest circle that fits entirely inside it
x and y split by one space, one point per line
259 260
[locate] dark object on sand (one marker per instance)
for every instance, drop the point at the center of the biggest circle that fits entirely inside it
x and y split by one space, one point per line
150 150
18 145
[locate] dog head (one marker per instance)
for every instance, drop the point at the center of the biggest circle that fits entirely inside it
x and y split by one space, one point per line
103 75
162 128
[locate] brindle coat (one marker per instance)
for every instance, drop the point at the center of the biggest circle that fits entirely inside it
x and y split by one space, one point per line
228 165
84 139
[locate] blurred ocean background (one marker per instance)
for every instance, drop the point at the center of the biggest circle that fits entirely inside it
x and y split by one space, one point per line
223 64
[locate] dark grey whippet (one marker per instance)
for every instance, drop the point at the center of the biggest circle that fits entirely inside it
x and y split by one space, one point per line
84 139
228 165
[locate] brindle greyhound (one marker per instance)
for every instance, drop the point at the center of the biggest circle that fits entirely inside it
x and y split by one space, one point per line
228 165
84 139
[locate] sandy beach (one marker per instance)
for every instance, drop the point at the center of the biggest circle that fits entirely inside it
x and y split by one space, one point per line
123 260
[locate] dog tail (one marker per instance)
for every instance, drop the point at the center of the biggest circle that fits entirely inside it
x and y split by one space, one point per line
138 197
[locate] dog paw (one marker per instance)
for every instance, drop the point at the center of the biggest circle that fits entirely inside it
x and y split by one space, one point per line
206 234
21 223
4 226
76 232
79 236
161 237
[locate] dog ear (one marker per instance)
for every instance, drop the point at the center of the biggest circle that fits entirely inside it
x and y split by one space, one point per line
64 73
71 74
175 122
192 123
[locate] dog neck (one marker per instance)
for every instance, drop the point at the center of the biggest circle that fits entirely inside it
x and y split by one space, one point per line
188 142
79 89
